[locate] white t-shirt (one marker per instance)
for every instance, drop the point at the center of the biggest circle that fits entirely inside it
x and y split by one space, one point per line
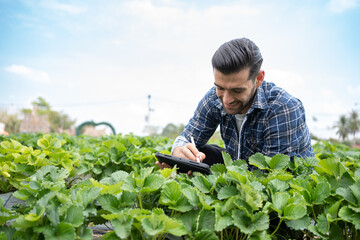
239 120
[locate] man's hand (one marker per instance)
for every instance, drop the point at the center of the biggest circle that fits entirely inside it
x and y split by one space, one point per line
189 151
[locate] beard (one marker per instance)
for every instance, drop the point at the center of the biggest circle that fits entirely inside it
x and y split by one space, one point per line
242 105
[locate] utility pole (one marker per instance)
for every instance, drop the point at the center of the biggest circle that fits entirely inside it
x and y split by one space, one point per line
148 127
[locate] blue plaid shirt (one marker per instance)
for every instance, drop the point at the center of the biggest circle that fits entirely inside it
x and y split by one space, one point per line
274 124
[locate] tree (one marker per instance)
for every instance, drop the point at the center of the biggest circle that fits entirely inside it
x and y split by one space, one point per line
172 131
11 121
354 123
342 126
58 120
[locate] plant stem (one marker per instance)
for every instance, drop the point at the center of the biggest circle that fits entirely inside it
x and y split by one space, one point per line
277 228
312 208
140 200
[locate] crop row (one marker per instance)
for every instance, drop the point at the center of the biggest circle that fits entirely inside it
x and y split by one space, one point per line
68 184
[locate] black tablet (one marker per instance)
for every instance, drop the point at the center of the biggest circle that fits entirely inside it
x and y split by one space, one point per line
184 165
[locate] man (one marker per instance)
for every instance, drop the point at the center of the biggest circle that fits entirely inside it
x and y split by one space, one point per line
254 115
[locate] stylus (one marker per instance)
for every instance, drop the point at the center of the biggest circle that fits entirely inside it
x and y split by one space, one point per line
193 142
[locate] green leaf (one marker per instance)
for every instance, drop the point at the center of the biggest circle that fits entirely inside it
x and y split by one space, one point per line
310 161
122 225
222 220
110 236
22 194
333 210
258 160
87 195
191 194
205 235
152 183
218 168
158 223
346 194
227 158
109 202
170 193
236 174
279 161
249 224
332 166
206 220
299 224
355 188
202 183
263 235
322 191
227 192
74 215
279 201
349 215
276 185
63 231
189 219
294 211
322 224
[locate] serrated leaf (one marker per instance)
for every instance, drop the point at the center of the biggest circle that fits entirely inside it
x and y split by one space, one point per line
332 166
236 174
227 192
310 161
349 215
322 191
74 216
218 168
206 220
191 194
294 211
109 202
222 221
170 193
355 188
279 161
322 224
189 219
227 158
63 231
276 185
299 224
152 183
279 201
122 225
205 234
249 224
258 160
202 183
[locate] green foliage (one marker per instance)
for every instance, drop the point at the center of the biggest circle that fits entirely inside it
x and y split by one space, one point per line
67 183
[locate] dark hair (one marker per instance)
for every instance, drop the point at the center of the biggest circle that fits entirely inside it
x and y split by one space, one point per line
236 55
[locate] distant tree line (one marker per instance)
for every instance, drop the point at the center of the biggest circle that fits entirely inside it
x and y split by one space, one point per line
348 125
57 120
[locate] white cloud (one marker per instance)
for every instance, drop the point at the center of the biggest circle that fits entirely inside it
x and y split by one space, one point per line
29 73
68 8
353 90
339 6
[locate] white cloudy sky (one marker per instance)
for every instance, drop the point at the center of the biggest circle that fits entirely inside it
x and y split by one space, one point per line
99 60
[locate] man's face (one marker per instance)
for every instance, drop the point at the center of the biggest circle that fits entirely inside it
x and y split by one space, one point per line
236 91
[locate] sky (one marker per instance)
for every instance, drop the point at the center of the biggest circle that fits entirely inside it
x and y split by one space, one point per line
100 60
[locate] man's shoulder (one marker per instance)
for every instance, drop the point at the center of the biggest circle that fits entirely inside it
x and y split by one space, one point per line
277 97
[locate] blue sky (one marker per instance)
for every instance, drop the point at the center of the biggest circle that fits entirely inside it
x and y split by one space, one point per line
99 60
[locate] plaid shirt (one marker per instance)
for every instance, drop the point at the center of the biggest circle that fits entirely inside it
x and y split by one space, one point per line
275 124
